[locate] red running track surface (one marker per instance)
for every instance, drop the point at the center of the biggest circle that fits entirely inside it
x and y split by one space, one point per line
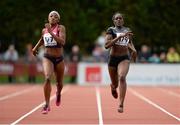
22 104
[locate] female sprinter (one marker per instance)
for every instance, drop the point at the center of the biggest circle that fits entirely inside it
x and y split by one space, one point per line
119 40
53 38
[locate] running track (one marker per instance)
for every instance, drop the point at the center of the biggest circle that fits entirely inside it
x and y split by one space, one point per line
21 104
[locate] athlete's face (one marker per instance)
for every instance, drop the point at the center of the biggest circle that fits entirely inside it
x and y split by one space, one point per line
118 20
53 18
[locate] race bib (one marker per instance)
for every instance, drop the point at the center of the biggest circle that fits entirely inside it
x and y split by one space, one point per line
49 40
123 41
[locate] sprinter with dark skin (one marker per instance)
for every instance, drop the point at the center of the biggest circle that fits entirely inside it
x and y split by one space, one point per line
122 50
53 39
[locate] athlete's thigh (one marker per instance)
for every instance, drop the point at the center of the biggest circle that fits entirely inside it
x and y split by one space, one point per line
113 74
123 67
48 67
59 71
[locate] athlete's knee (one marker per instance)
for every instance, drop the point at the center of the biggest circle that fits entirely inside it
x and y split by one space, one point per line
122 79
115 85
47 80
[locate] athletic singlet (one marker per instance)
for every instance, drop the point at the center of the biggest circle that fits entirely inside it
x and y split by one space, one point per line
49 41
115 32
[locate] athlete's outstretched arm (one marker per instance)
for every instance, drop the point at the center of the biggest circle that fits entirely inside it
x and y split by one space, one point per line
38 44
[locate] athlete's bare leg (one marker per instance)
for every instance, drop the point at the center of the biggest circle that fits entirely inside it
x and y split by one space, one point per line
59 72
48 71
123 69
114 79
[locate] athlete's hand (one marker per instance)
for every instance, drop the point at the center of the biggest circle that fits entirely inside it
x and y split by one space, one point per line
48 26
129 34
34 52
120 35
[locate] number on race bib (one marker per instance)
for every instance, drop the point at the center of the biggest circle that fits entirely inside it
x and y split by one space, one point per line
123 41
49 39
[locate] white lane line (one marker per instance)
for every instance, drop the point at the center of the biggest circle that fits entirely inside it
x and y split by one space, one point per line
36 108
98 97
169 92
17 93
152 103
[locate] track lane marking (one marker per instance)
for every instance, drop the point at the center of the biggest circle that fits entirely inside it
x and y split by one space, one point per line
170 92
98 98
152 103
36 108
17 93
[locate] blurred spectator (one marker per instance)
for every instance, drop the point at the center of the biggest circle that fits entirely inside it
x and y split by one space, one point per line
75 57
101 40
144 54
11 56
30 59
99 49
154 58
162 57
172 55
98 54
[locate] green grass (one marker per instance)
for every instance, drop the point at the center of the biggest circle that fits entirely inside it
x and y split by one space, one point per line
24 79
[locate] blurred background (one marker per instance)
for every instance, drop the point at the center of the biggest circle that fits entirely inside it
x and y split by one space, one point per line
155 24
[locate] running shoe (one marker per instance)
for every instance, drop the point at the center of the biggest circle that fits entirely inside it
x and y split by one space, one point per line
45 109
58 99
114 92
